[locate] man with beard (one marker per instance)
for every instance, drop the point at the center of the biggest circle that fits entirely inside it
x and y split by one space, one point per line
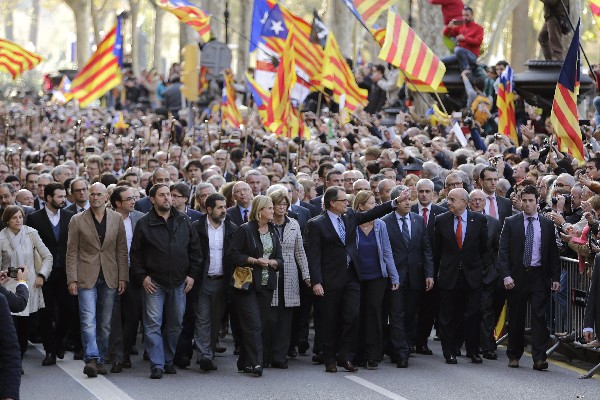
215 232
61 311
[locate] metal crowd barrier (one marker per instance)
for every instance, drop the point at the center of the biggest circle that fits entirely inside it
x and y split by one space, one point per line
566 310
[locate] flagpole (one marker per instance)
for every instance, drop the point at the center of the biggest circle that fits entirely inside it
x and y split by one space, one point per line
580 46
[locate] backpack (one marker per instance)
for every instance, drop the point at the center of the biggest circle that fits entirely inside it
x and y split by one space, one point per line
481 109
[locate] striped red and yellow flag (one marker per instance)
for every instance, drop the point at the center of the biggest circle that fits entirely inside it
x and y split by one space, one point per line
419 86
281 118
230 115
505 101
203 81
595 7
15 60
189 14
404 49
564 116
338 77
102 72
367 11
379 35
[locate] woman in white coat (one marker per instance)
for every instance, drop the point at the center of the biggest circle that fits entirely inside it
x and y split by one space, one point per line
17 246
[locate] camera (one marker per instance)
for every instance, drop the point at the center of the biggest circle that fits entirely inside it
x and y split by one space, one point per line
468 121
13 272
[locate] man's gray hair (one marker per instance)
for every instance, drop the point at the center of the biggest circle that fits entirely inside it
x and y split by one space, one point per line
425 182
276 187
204 185
397 190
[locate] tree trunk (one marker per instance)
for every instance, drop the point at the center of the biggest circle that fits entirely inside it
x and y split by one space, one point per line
158 28
519 48
429 25
242 59
135 54
9 23
337 18
34 23
81 11
95 23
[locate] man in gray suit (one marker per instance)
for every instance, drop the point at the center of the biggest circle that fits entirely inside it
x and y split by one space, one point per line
490 290
127 306
414 260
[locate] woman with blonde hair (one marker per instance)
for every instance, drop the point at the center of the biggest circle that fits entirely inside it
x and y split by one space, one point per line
377 271
410 181
18 244
256 245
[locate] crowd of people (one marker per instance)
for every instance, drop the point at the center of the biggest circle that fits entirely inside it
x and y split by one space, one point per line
119 221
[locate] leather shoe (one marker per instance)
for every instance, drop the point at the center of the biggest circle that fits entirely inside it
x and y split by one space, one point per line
116 368
220 349
451 360
424 350
279 365
90 369
318 358
402 363
127 362
49 360
490 355
347 365
513 363
330 367
540 365
476 359
292 353
412 350
170 369
236 351
207 365
60 354
372 364
183 362
78 355
303 346
156 373
101 368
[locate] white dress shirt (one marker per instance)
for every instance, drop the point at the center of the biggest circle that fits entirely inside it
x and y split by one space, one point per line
128 232
215 245
487 205
407 218
53 217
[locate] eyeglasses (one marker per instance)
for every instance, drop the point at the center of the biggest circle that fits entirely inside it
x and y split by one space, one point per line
452 184
128 199
97 194
558 184
79 190
346 200
177 196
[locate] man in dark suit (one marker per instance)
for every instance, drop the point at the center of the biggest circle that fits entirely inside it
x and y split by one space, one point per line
52 224
80 189
10 355
216 233
242 194
16 301
529 265
460 251
591 317
490 289
127 307
429 305
160 175
453 181
180 193
495 206
334 178
332 258
414 262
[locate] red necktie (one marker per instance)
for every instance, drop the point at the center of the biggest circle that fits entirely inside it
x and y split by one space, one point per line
425 216
492 207
459 238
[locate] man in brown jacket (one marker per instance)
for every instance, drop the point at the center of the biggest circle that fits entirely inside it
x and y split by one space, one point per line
97 267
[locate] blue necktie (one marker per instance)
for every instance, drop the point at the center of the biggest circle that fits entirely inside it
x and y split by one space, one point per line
342 230
528 243
405 234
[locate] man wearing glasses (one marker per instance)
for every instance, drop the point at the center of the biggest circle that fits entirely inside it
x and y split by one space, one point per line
124 324
495 206
332 259
3 172
453 181
81 194
180 195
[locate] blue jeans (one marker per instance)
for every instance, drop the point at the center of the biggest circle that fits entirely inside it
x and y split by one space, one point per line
170 303
95 312
597 110
463 56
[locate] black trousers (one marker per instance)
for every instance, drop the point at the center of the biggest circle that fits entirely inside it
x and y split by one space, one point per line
252 310
370 342
488 317
460 305
56 318
339 320
536 289
281 323
124 323
301 316
25 327
427 315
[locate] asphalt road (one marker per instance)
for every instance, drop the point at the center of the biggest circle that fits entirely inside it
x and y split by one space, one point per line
427 377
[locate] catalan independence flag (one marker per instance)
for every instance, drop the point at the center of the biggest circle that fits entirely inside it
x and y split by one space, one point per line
595 7
15 60
404 49
261 96
416 85
102 72
189 14
367 11
230 115
564 117
505 101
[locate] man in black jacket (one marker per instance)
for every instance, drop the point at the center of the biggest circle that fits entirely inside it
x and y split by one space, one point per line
52 223
10 355
165 256
216 233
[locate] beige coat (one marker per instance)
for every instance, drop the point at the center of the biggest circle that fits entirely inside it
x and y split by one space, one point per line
36 297
85 254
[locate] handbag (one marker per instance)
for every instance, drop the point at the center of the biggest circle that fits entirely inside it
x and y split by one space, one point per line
37 258
242 279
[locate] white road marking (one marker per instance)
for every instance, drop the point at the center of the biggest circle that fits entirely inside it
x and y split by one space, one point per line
100 387
376 388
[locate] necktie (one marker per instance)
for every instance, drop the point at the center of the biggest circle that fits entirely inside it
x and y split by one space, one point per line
425 216
405 234
245 215
492 207
528 243
342 229
459 238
